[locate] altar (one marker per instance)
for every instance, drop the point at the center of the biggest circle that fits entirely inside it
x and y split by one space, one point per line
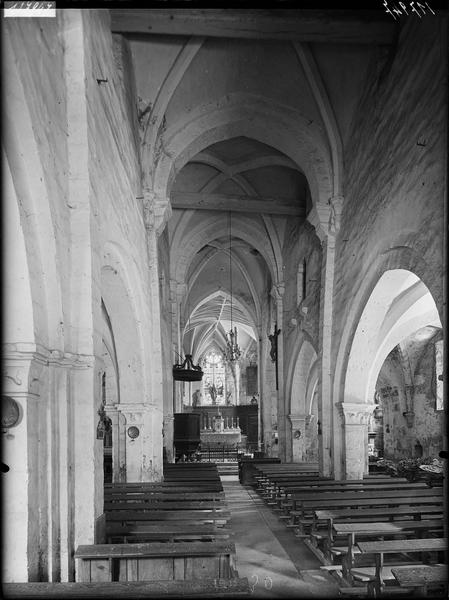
218 430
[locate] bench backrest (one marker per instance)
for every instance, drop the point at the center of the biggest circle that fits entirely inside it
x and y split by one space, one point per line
353 482
415 494
166 505
346 502
168 515
156 561
371 487
355 513
409 545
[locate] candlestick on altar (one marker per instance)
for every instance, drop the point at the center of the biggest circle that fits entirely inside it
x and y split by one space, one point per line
238 424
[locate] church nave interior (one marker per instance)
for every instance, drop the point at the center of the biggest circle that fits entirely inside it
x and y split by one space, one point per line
224 241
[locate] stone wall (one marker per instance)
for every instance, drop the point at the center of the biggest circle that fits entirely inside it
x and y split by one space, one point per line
425 425
394 186
72 150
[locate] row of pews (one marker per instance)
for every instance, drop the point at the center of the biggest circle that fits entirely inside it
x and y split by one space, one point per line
379 537
168 539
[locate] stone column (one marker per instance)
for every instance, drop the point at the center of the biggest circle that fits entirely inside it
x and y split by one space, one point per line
326 220
168 437
20 506
157 211
137 440
298 423
356 418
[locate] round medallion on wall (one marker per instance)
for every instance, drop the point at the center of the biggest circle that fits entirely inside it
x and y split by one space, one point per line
297 434
10 412
133 432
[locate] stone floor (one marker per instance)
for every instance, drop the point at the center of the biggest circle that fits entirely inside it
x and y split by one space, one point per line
276 563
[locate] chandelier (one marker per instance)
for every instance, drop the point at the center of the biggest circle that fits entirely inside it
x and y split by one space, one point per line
186 370
232 352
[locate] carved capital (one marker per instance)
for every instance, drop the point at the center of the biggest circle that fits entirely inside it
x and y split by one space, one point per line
156 211
298 421
326 217
277 291
355 413
134 413
21 374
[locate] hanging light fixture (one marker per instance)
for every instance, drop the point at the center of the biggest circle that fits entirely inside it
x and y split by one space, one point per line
186 370
232 351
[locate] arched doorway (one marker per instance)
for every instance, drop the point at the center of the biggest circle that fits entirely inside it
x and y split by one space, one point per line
393 353
303 407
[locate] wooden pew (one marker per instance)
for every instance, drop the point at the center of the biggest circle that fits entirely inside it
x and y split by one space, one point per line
120 496
409 546
308 520
420 579
285 501
269 487
165 531
156 561
165 486
218 517
247 468
123 590
166 489
307 506
328 518
374 531
162 504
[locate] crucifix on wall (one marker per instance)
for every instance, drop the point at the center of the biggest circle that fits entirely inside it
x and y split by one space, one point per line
274 349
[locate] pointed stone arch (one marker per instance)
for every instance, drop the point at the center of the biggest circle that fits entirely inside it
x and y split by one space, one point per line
302 376
253 116
396 303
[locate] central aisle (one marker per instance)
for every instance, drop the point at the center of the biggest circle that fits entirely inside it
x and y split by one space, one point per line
276 563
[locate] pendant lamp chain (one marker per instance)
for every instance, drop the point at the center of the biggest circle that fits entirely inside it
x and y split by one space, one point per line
233 351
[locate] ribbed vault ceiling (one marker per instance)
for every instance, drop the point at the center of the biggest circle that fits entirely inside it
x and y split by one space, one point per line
235 177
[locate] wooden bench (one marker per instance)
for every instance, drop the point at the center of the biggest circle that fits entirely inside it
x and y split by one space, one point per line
409 546
373 531
269 487
362 486
165 505
369 499
204 588
420 579
168 487
119 496
212 486
221 516
327 518
282 485
169 531
156 561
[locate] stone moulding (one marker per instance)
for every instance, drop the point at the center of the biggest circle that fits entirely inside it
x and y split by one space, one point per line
355 413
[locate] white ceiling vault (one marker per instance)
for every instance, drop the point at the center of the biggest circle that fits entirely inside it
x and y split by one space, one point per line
243 116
